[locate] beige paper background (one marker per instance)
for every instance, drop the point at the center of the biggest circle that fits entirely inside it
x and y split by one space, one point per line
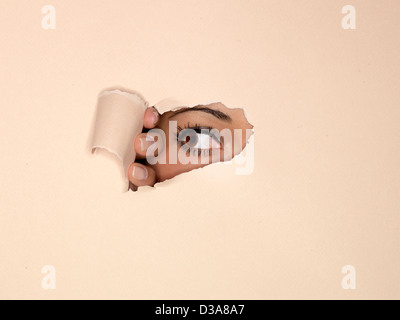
325 189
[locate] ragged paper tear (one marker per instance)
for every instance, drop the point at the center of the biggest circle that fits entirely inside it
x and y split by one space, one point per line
119 119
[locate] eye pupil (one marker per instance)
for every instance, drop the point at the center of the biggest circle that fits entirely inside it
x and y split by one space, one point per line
191 139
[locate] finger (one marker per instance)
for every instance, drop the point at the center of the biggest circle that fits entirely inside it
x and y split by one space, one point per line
142 144
151 118
132 187
141 175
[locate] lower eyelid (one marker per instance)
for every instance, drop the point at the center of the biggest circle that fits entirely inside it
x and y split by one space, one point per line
205 152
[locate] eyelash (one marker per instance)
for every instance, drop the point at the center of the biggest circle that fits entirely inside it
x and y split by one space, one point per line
201 152
195 127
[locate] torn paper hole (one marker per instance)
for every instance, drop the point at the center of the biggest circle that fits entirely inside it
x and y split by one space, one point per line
187 136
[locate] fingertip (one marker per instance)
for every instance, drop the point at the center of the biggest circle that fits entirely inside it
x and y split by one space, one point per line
142 143
138 145
141 175
151 118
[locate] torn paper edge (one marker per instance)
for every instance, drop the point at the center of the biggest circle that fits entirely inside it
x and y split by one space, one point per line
104 136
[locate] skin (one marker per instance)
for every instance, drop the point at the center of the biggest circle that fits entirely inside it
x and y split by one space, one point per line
141 173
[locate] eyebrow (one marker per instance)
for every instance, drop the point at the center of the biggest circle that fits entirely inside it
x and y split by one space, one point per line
218 114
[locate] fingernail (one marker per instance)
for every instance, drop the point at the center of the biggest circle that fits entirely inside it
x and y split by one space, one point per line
154 116
139 173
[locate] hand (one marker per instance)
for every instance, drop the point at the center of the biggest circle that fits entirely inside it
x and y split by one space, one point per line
139 174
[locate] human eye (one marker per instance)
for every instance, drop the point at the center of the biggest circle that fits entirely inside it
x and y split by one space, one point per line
198 139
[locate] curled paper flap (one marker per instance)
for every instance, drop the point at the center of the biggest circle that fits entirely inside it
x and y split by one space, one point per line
119 120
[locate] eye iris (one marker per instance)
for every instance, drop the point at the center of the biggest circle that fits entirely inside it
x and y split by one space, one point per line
188 137
192 139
